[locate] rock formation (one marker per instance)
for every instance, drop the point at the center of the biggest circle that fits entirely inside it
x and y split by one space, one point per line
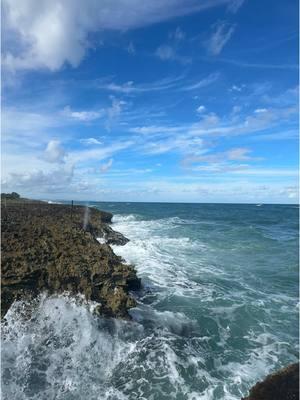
54 248
282 385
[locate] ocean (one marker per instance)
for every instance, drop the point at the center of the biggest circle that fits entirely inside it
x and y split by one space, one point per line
218 311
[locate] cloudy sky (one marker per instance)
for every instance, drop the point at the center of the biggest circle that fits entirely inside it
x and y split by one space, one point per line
161 100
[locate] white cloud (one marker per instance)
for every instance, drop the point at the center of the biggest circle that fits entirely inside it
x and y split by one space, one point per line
167 53
287 98
177 35
291 191
201 109
235 88
236 110
180 144
90 141
114 111
169 83
127 87
267 118
111 113
235 5
129 172
106 166
153 129
131 48
54 152
235 154
27 123
163 138
209 120
82 156
202 83
276 172
239 154
52 181
234 189
285 135
130 87
82 115
246 64
221 35
260 110
48 34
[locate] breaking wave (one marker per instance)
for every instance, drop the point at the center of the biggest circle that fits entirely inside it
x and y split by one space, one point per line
210 321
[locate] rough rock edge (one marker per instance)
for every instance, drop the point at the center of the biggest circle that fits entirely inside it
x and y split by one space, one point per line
281 385
93 269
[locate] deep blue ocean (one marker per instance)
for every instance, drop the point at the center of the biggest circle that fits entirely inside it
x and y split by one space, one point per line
218 311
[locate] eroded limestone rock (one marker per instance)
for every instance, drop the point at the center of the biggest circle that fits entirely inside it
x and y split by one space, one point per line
54 248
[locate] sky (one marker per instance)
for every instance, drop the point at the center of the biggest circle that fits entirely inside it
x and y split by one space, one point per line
161 100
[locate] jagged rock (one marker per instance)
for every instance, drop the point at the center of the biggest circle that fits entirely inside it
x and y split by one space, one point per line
113 237
282 385
54 248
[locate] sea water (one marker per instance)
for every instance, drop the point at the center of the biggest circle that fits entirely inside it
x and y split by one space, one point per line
218 311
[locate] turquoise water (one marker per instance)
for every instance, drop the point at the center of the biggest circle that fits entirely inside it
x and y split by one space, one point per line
218 311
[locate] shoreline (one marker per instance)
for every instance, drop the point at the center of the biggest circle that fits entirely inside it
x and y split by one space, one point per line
54 248
78 231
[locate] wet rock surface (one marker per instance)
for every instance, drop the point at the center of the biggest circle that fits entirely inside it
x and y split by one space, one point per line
53 248
113 237
282 385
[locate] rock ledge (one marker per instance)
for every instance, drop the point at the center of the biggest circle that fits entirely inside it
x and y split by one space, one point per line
53 248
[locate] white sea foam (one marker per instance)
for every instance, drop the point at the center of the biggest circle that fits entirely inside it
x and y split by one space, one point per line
200 333
62 350
158 257
164 261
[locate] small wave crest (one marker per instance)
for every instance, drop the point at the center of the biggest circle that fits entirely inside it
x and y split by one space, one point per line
161 260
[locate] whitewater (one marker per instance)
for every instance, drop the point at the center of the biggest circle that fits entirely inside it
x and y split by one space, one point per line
218 311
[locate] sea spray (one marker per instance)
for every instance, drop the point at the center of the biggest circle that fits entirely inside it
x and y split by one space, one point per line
217 313
86 216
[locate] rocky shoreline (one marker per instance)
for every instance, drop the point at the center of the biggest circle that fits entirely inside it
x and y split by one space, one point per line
54 248
57 248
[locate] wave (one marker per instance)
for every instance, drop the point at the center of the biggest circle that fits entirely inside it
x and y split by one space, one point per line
159 258
171 221
62 351
201 329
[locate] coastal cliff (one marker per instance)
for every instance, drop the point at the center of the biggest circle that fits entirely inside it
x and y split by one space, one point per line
54 248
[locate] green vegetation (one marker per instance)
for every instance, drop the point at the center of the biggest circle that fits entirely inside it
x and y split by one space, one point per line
10 196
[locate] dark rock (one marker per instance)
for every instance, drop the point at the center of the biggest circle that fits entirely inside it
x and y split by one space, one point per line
282 385
10 196
54 248
113 237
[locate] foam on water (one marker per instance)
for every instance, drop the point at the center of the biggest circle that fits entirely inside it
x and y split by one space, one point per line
61 351
158 257
204 328
175 267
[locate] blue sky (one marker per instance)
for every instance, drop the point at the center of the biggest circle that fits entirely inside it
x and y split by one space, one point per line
170 100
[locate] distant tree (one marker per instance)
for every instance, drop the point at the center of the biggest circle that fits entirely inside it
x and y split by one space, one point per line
11 196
